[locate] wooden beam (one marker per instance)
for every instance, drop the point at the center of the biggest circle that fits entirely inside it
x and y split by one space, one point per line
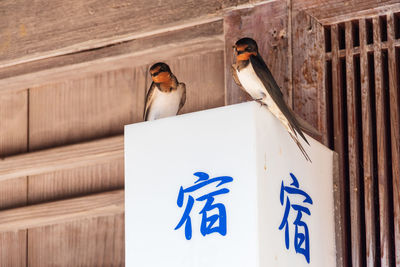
33 31
201 38
57 212
357 51
66 157
334 11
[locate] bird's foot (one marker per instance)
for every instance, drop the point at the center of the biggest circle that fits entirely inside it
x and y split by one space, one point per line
260 102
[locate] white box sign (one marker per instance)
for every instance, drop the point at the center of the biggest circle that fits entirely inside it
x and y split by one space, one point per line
226 187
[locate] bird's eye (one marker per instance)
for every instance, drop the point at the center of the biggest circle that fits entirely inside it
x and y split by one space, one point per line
155 73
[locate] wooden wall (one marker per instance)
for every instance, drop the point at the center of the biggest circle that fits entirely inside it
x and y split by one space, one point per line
72 74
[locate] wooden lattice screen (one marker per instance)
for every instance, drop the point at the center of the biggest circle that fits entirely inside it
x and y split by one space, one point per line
362 79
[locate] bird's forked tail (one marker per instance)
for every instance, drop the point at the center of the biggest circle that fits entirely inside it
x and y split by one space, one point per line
296 140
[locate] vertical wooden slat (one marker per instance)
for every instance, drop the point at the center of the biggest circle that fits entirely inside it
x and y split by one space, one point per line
338 136
272 38
395 131
353 152
368 155
381 149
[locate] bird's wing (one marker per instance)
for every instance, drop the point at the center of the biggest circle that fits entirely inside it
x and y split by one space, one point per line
236 78
149 99
275 92
183 98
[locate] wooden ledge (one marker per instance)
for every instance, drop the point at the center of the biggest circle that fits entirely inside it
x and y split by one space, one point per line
98 205
202 38
60 158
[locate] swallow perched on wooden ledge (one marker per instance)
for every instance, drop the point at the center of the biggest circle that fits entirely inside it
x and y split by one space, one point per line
253 76
166 95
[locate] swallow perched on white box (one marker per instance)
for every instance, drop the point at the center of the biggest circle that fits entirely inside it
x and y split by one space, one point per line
166 95
253 76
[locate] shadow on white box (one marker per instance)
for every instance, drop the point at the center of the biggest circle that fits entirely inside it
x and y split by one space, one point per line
244 142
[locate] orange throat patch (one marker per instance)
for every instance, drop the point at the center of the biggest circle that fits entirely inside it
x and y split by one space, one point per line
165 81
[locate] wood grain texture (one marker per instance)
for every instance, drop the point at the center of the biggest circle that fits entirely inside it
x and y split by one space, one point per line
339 145
13 193
13 249
58 212
137 52
381 125
333 11
353 153
67 157
203 74
26 34
13 140
14 123
76 182
85 109
368 151
90 242
271 36
394 96
308 71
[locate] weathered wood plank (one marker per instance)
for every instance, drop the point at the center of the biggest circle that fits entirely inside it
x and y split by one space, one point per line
90 242
56 159
384 229
338 131
353 153
334 11
138 52
13 123
13 193
57 212
394 96
13 249
308 71
26 34
272 38
368 152
85 109
77 181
